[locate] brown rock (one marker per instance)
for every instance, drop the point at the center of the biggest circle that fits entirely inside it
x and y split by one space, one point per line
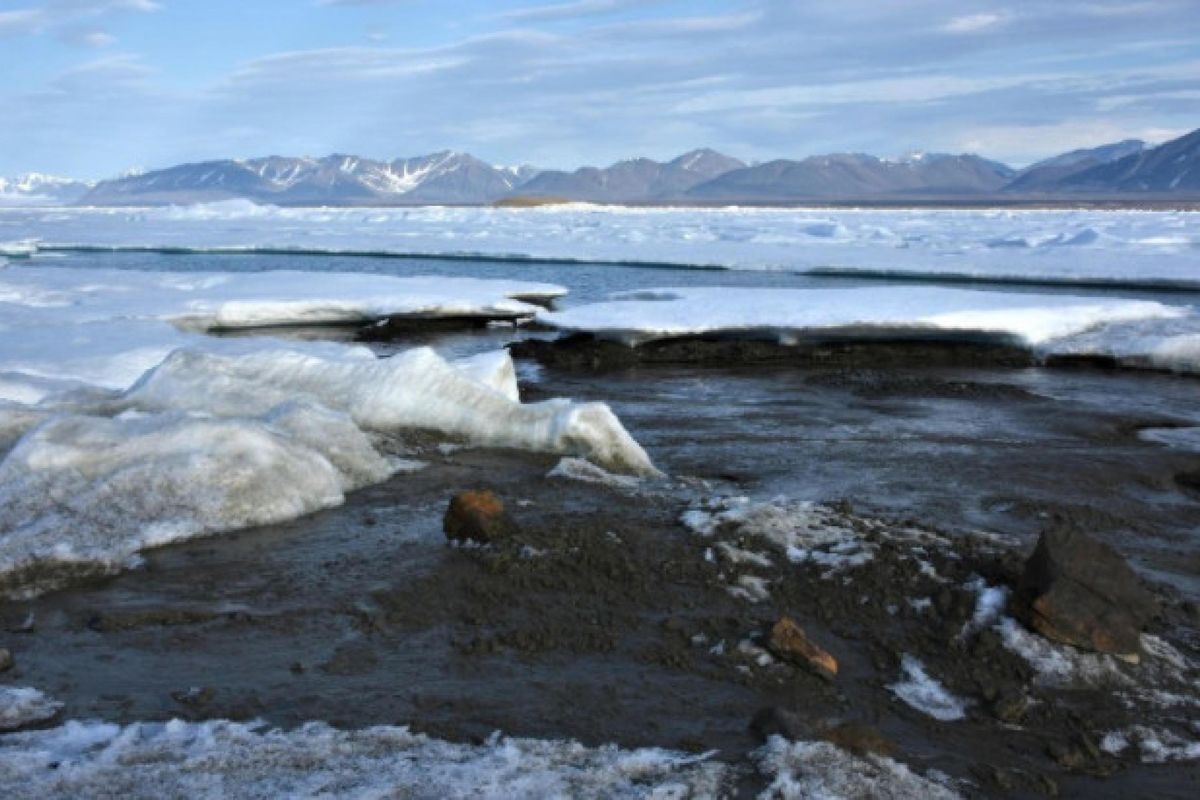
1078 591
859 739
6 660
789 642
477 515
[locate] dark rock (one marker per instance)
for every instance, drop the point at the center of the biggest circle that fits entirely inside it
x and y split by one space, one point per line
1079 591
195 697
6 660
776 721
789 642
1010 706
859 739
477 515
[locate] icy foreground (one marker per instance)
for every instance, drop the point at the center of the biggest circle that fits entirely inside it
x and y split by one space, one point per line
122 427
228 759
1122 247
1160 335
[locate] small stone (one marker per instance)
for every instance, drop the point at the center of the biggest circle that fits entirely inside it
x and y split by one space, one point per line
6 660
789 642
477 515
859 739
195 696
776 721
1010 706
1080 592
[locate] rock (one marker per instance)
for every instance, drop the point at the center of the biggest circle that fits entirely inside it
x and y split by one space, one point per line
776 721
195 697
1078 591
789 643
1010 706
859 739
6 660
477 515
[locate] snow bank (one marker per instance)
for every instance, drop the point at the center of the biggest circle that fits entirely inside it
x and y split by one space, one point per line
1124 247
228 759
1134 330
235 760
22 706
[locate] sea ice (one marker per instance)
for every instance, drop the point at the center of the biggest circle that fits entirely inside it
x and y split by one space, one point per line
1049 246
1046 323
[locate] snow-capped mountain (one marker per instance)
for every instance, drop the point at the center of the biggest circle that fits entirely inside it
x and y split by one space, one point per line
34 188
699 176
445 177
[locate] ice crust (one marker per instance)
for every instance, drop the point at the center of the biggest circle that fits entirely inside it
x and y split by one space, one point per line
1061 246
226 759
1138 331
238 760
821 771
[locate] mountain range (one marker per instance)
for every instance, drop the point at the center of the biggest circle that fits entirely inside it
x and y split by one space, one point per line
1123 170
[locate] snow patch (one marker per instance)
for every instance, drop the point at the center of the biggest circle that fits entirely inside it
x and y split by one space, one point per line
925 694
810 770
228 759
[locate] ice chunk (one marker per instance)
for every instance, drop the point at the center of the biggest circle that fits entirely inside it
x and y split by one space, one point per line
414 389
21 706
577 469
925 694
228 759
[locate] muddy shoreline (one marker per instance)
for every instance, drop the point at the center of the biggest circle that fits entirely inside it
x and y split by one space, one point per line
608 620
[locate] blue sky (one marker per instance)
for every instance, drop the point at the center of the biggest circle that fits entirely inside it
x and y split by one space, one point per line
93 87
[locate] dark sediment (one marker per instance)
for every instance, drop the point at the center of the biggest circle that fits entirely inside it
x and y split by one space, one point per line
584 351
598 617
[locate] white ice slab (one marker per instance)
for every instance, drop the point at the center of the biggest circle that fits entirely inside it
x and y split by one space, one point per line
1162 335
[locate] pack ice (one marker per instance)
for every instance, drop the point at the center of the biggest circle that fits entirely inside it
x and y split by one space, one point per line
122 427
1143 248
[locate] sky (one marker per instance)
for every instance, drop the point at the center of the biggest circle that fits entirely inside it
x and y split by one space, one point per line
92 88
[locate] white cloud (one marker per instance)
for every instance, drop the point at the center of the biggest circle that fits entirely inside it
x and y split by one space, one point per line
974 23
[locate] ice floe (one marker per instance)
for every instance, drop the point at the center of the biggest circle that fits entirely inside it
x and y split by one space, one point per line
1137 331
1052 246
